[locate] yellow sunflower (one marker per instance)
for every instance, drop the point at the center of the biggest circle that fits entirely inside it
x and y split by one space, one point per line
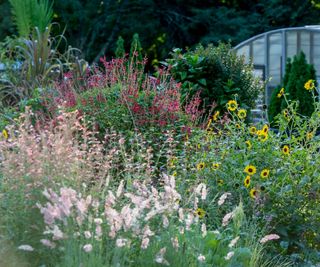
209 123
247 181
232 105
264 173
200 166
309 85
200 213
215 166
5 134
286 114
216 115
220 182
253 130
262 136
310 135
265 128
253 193
281 93
250 169
286 150
238 126
242 113
248 143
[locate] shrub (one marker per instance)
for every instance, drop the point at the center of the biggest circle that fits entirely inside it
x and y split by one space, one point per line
275 105
217 73
298 72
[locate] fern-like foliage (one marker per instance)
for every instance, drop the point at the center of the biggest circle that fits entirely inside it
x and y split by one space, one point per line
29 14
21 10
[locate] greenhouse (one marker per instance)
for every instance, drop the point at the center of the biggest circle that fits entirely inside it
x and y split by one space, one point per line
269 52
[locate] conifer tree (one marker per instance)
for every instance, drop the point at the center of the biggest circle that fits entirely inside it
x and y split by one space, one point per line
120 52
136 48
299 73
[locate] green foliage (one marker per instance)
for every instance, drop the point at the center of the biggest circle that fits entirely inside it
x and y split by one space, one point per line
103 111
29 14
275 105
136 49
299 73
217 73
120 51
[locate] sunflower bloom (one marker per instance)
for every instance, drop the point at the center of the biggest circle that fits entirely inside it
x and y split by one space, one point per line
242 113
252 130
247 181
253 193
232 105
5 134
250 170
309 85
286 150
248 143
265 173
262 136
220 182
215 166
216 115
281 93
309 135
200 213
200 166
265 128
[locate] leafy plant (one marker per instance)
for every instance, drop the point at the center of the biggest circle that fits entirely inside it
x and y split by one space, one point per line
29 14
217 74
120 52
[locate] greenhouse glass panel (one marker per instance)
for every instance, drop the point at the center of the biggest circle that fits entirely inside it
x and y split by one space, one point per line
316 52
274 58
305 44
292 43
258 51
245 51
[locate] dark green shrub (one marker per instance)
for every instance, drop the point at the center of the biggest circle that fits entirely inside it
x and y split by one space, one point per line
120 51
299 73
275 105
218 73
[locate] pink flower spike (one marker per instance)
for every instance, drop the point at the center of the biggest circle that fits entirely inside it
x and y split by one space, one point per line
269 238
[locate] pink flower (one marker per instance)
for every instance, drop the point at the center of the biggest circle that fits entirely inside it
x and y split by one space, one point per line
227 218
229 255
223 198
160 257
233 242
201 258
175 242
26 248
269 238
48 243
87 248
121 242
145 243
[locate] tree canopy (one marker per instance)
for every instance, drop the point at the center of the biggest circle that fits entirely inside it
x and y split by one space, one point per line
95 25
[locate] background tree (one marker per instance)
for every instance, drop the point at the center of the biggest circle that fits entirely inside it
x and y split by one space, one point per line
120 51
94 25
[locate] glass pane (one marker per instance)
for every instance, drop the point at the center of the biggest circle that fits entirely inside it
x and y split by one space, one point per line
244 50
258 51
305 44
316 52
275 53
291 43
